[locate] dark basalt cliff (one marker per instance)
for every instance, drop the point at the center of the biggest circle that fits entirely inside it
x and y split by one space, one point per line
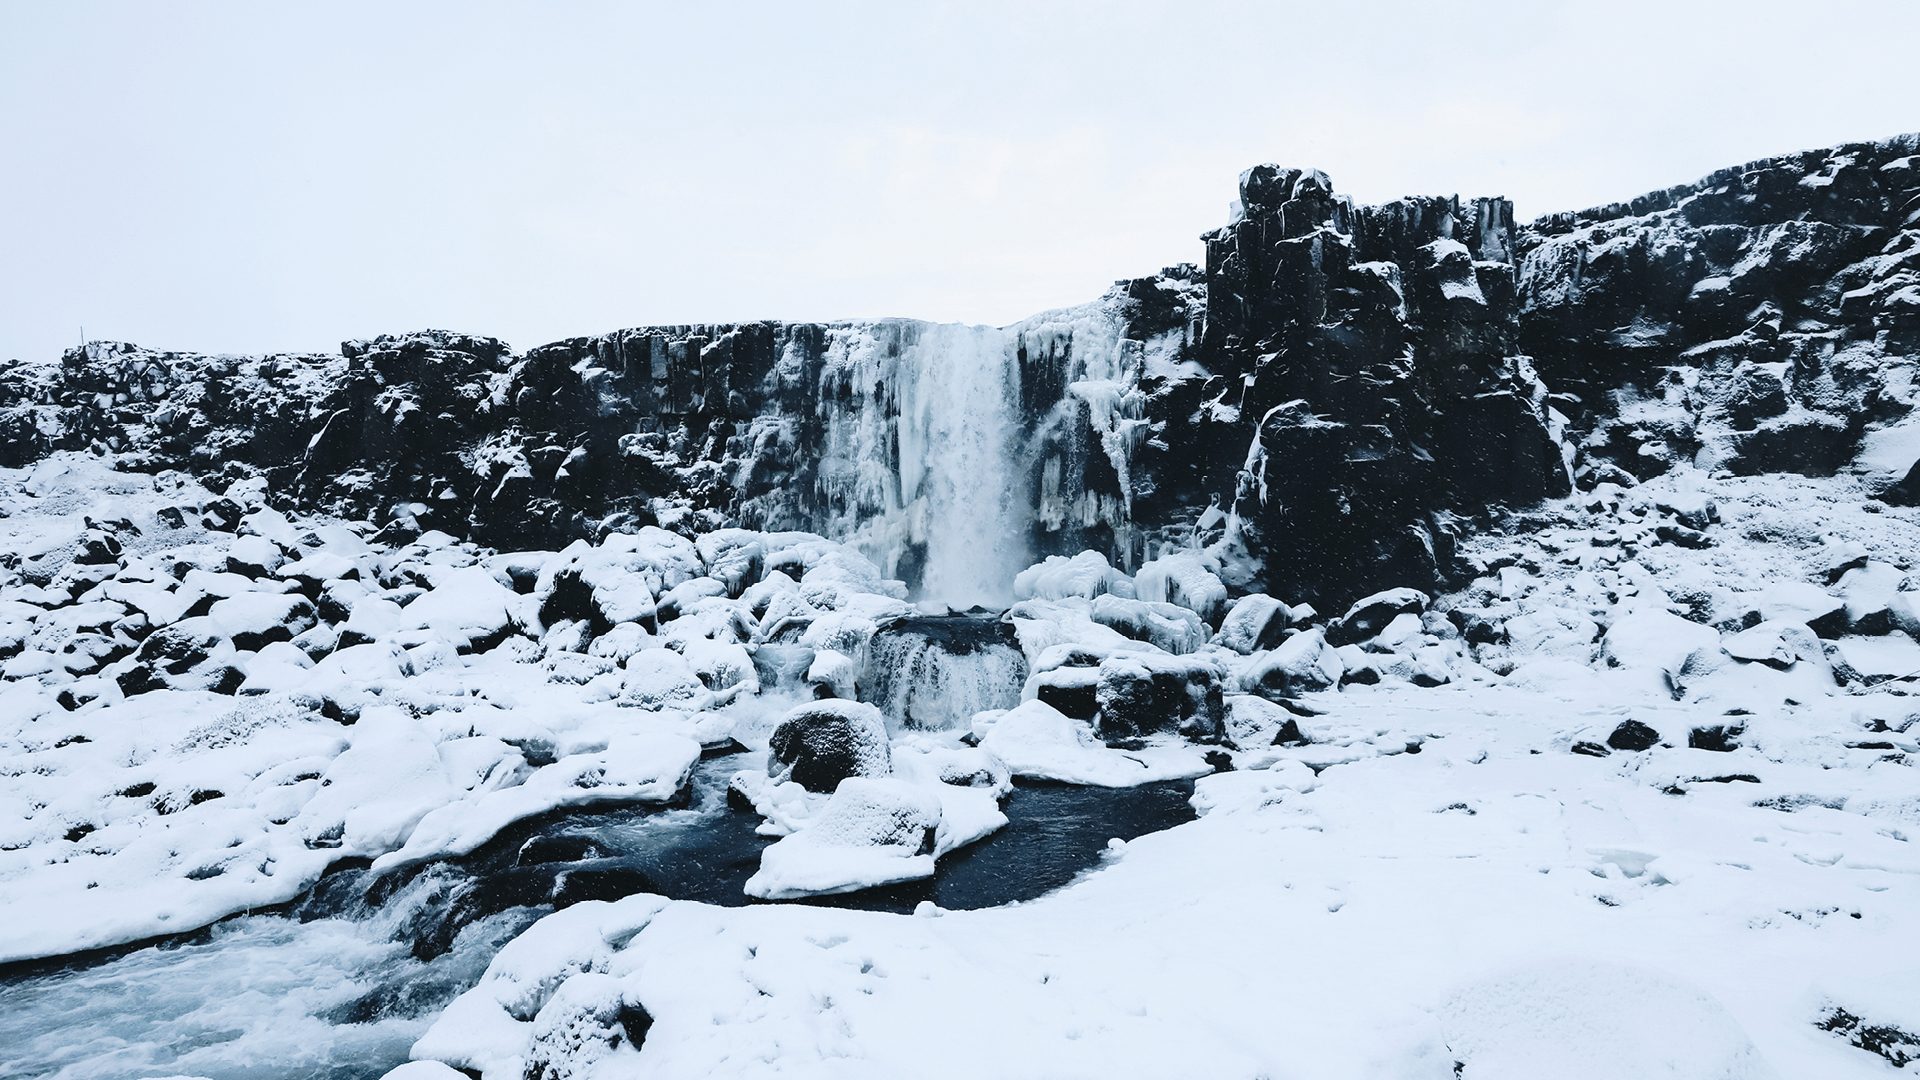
1368 369
1761 320
1322 404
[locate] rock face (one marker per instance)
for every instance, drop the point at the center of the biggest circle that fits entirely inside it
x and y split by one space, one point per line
1368 359
1749 321
1315 408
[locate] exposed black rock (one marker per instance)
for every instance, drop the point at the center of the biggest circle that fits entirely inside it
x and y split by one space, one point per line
1721 738
1897 1046
1633 735
1755 311
1326 396
818 745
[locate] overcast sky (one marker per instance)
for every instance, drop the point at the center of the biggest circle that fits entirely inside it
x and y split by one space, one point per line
254 177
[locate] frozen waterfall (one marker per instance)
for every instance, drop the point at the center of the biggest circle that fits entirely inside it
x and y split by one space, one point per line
958 430
920 468
950 454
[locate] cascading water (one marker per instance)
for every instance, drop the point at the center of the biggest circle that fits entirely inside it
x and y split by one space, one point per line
958 413
338 995
933 674
919 465
953 456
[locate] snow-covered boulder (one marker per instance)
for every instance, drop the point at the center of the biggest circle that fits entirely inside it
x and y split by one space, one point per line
873 831
833 674
192 654
1165 626
256 619
468 608
1870 592
1255 622
656 679
733 557
1790 601
1185 578
1776 644
1071 688
1085 575
1039 742
1148 693
1660 645
1371 614
1302 663
821 743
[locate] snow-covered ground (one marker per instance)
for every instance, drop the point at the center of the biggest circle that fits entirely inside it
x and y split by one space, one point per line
1491 899
1636 801
1482 878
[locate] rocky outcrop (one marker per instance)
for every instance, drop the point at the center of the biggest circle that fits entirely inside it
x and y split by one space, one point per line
1365 363
1317 408
1763 319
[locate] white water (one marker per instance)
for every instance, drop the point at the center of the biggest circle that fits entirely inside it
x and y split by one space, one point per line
271 997
923 686
959 406
927 463
926 453
258 1000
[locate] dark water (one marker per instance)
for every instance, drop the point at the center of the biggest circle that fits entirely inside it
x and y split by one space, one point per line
1054 834
341 982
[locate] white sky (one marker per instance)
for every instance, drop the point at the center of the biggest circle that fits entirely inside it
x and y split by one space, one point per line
254 177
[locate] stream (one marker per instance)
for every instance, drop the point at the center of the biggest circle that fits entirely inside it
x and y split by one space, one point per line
341 982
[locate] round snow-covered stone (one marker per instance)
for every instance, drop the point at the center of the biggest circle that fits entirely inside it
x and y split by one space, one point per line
822 743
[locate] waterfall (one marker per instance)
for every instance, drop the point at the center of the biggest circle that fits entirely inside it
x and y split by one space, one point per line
933 674
919 465
948 453
958 426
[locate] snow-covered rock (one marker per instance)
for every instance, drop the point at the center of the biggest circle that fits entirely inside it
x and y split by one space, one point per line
1301 663
873 831
822 743
1038 742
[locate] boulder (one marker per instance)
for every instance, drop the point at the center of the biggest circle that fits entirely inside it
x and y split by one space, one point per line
657 679
1659 645
1633 735
1186 579
821 743
255 620
1870 592
1167 626
833 675
1073 690
1145 694
1775 643
1057 577
97 547
1302 663
1370 615
193 654
872 832
1254 623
